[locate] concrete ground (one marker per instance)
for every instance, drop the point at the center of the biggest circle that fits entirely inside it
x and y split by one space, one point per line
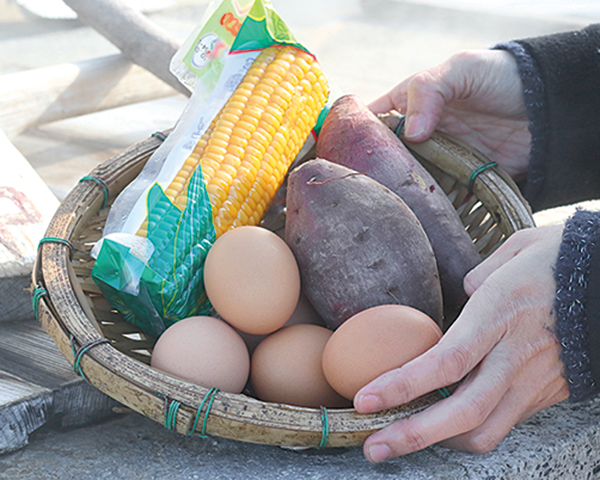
365 47
557 444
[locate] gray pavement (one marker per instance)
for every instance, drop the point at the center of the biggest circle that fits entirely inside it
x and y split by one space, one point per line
365 47
560 443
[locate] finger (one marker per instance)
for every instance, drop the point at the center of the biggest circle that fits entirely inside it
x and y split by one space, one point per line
483 409
468 408
508 250
512 247
422 98
395 99
527 395
427 95
514 408
488 435
460 349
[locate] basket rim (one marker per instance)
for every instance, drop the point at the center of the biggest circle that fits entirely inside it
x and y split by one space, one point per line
153 393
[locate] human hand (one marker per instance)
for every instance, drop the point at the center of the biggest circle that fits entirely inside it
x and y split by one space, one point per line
503 346
475 96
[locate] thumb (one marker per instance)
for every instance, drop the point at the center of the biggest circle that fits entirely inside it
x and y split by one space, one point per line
420 99
427 96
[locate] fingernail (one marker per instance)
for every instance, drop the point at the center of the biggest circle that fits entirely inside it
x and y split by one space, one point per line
379 452
415 126
368 403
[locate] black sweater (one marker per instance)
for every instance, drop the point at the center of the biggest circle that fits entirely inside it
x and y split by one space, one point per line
561 82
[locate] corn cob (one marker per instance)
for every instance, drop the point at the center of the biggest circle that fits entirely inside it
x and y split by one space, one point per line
246 151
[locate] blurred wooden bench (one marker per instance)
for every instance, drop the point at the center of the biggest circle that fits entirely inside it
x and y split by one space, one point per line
37 385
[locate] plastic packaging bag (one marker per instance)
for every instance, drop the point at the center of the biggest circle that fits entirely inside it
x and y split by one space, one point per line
155 279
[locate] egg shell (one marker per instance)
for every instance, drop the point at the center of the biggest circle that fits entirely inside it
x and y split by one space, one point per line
252 279
205 351
303 313
373 342
287 368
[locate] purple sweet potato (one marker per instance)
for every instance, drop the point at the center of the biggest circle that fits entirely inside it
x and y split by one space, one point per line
354 137
357 244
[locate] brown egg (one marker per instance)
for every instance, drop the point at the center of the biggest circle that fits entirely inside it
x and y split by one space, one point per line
304 313
373 342
286 368
203 350
252 279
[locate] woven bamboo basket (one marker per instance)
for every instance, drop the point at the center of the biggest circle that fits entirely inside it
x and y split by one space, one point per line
114 356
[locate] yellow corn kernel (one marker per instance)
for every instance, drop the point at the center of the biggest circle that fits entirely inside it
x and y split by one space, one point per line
229 169
210 162
215 191
216 151
207 170
231 159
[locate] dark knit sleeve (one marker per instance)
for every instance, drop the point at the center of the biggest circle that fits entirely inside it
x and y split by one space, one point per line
561 80
577 303
561 85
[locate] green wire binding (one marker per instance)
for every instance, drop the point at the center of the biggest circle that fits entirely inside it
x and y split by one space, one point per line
476 172
57 240
171 409
400 126
100 182
210 402
209 395
171 414
160 135
444 392
38 293
78 354
325 427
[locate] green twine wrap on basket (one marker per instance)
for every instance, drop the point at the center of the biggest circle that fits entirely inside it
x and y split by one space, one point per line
79 352
38 293
210 396
325 427
102 185
62 241
171 409
171 414
477 172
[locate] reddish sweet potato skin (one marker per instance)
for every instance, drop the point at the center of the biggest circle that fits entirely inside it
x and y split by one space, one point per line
354 137
357 244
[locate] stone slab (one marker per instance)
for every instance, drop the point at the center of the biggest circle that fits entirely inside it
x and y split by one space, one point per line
561 443
38 386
